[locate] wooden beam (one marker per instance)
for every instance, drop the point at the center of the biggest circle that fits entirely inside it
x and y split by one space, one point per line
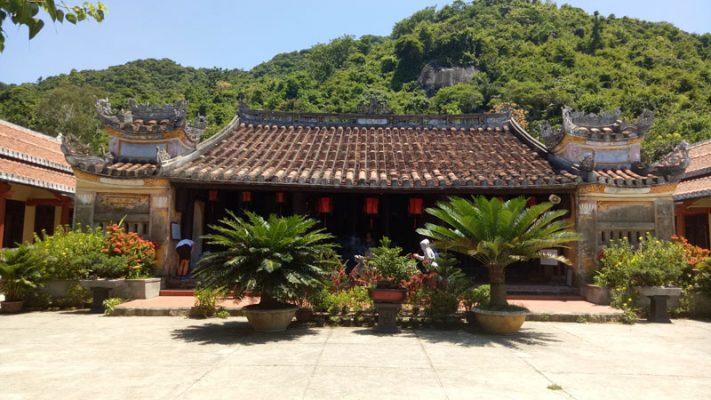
44 202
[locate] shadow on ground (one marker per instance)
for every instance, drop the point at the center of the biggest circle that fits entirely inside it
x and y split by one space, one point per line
475 338
232 332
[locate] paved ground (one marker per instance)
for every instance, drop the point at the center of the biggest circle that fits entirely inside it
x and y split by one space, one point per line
55 355
545 310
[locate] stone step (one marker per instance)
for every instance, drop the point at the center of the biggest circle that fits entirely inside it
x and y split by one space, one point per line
559 297
548 290
177 292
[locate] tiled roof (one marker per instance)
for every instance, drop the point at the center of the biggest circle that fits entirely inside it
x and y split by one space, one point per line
32 158
120 169
700 154
369 157
693 188
626 178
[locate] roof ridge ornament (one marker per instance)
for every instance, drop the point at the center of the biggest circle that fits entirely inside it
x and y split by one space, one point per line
148 119
605 126
80 155
673 165
479 120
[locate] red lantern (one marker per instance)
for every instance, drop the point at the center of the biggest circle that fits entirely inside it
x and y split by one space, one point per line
371 205
246 197
415 206
212 195
280 198
325 206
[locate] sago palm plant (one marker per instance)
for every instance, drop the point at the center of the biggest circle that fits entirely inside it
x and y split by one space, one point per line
278 257
498 233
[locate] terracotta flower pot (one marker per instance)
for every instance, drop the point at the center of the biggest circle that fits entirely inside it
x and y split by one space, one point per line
269 320
387 295
500 322
11 307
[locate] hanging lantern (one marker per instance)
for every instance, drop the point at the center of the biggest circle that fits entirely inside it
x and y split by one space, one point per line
280 198
325 205
371 205
212 195
531 201
371 208
246 197
415 206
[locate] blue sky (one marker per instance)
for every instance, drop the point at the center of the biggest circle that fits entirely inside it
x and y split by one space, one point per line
241 34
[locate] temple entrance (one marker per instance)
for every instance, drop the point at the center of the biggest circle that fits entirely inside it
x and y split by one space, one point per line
356 220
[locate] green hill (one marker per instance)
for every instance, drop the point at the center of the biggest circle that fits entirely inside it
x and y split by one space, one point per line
537 55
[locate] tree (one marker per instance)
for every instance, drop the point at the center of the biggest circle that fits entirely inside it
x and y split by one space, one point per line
461 98
71 110
24 12
498 233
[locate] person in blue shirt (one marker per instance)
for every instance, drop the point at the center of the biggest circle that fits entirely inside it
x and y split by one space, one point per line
184 249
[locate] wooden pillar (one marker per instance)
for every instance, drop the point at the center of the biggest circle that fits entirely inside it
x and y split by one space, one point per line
66 212
198 222
2 220
680 223
4 189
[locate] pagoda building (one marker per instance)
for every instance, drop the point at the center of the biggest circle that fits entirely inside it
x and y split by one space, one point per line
369 174
618 195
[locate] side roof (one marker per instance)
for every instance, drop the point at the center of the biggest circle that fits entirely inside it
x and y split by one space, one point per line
697 177
32 158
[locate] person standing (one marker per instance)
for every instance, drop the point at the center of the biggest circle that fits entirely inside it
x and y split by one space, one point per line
428 255
184 249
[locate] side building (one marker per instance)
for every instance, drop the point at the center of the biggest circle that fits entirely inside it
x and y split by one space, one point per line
371 175
693 197
36 184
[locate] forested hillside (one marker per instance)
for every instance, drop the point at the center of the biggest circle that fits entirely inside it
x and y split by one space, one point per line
536 55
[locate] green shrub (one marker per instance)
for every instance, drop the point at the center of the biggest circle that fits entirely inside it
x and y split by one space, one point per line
222 314
110 304
355 299
449 277
206 302
100 265
478 296
392 267
442 303
61 254
20 272
655 262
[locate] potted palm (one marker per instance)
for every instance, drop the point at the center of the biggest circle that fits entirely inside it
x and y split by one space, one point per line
498 233
19 273
277 257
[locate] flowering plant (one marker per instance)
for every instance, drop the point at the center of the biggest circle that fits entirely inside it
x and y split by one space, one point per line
692 254
61 254
140 253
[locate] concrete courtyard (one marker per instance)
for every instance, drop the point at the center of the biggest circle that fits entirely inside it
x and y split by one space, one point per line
72 355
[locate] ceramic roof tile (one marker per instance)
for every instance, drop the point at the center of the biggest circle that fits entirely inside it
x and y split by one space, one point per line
371 156
693 188
32 158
